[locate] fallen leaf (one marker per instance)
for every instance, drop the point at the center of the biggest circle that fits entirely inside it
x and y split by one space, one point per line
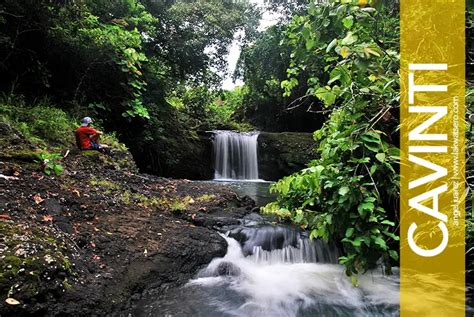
4 216
93 244
37 198
47 218
75 191
95 257
12 301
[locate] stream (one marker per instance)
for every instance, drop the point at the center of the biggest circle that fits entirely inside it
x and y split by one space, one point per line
271 270
277 271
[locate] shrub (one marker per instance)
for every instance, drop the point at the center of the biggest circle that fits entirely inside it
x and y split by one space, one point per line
50 163
44 124
40 123
341 196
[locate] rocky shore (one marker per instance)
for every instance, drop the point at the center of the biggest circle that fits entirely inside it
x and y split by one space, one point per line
90 241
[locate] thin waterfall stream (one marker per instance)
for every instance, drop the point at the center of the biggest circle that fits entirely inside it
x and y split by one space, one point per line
235 155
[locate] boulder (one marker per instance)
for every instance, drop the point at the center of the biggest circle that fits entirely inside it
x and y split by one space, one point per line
281 154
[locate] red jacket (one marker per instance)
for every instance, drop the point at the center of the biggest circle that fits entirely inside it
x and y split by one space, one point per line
83 135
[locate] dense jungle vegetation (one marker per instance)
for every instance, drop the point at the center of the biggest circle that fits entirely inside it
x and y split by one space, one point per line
149 73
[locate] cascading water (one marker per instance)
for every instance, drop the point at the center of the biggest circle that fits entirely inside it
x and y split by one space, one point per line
235 155
276 271
277 244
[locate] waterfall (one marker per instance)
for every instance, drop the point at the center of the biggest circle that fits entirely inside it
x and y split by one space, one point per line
278 244
235 155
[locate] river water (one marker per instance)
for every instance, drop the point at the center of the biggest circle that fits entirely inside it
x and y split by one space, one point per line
255 189
271 270
270 284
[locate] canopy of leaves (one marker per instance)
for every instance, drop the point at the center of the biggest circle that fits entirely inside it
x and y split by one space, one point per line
263 66
119 61
115 55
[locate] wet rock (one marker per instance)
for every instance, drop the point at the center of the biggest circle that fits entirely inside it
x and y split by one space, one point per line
228 268
52 206
281 154
247 202
253 218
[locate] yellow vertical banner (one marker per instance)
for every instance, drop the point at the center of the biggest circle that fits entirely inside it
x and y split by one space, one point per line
432 71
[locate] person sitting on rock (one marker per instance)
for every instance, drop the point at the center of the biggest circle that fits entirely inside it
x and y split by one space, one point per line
87 138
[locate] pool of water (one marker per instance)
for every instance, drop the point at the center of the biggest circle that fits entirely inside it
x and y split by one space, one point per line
255 189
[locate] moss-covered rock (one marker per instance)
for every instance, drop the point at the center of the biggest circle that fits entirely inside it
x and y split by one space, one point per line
116 159
189 158
281 154
33 264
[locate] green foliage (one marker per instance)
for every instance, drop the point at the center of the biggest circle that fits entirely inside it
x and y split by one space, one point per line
112 140
262 66
343 196
40 123
340 196
203 109
116 42
44 124
123 55
50 163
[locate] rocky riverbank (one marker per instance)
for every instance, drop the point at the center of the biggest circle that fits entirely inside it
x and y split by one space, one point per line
91 240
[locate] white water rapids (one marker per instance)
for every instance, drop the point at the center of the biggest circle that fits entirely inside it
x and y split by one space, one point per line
269 274
292 288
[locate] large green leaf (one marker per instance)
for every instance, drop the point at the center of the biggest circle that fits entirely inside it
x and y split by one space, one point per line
325 95
348 21
350 39
343 190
